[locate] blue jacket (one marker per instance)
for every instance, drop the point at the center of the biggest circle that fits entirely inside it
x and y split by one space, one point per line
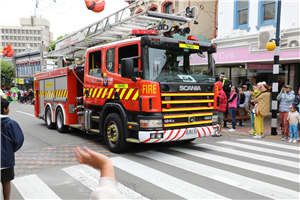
296 100
12 139
286 100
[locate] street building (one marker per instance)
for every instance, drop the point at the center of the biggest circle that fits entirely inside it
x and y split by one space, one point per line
244 29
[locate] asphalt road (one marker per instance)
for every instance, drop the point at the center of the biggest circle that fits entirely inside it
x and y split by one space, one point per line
233 166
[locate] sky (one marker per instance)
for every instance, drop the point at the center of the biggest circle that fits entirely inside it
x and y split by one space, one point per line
63 19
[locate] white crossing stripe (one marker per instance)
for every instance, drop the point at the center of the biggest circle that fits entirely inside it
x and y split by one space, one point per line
254 156
260 149
25 113
32 187
242 182
89 177
244 165
271 144
165 181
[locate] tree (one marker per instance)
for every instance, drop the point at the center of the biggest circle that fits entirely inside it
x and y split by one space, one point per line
7 73
54 45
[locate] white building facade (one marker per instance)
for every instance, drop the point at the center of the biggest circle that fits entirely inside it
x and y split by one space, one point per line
244 29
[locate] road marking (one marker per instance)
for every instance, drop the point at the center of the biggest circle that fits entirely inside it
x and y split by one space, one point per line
32 187
271 144
260 149
255 156
240 164
242 182
25 113
89 177
165 181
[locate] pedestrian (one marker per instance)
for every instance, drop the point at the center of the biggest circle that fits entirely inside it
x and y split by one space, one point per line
286 97
222 108
226 87
247 97
12 139
241 97
294 119
252 112
296 101
8 95
261 110
232 104
107 188
31 96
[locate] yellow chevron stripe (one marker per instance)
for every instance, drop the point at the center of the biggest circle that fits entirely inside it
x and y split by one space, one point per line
122 93
67 92
188 115
90 92
135 95
99 93
128 94
95 91
103 95
184 124
187 101
111 90
64 92
187 109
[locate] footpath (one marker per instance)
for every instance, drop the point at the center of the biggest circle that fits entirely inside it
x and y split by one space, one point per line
247 126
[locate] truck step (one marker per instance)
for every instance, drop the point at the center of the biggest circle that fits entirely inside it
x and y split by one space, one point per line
78 126
95 119
95 131
133 140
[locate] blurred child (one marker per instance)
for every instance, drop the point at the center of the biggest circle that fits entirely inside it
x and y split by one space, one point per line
294 119
12 139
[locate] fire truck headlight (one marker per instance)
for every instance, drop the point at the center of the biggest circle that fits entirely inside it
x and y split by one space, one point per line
153 123
215 118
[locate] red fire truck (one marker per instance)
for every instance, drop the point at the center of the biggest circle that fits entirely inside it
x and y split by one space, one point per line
144 89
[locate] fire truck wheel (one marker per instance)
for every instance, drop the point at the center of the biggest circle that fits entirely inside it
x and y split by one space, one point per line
48 117
114 135
59 118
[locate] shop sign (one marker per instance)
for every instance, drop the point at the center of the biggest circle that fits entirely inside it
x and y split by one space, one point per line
20 81
67 42
259 66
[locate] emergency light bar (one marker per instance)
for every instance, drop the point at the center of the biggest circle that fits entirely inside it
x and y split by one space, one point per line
136 32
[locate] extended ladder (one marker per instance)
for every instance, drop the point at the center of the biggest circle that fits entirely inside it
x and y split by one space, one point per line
118 26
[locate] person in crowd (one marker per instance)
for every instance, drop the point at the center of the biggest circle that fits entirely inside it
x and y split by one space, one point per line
262 109
296 104
253 83
286 97
8 95
226 87
107 188
12 139
241 97
294 119
232 104
252 112
222 109
247 97
31 96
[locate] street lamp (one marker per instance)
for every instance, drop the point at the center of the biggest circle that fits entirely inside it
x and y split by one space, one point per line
271 46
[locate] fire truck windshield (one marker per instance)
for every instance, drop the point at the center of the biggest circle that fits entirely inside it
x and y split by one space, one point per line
178 66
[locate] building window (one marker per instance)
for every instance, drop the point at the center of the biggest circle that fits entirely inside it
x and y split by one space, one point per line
267 11
6 30
34 31
39 38
19 44
167 7
23 44
10 31
26 31
15 37
11 37
15 44
19 37
3 43
2 31
241 15
23 37
3 37
7 37
19 31
30 31
15 31
34 38
27 38
31 45
39 32
153 8
23 32
35 44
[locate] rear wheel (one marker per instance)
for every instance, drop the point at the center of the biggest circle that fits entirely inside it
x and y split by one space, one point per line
59 119
114 134
48 117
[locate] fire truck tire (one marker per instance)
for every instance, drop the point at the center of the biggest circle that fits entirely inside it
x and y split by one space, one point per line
48 118
114 135
59 118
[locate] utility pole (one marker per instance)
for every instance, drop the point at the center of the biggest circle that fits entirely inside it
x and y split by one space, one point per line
276 72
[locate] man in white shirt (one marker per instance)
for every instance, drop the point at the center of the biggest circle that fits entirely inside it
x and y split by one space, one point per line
247 97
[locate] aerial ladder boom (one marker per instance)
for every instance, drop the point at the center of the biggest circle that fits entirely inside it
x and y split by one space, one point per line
119 25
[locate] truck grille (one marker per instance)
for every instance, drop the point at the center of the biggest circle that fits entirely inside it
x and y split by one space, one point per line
185 110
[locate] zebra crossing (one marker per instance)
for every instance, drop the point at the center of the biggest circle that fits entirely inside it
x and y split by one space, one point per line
240 169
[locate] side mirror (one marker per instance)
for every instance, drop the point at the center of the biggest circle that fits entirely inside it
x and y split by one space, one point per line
127 66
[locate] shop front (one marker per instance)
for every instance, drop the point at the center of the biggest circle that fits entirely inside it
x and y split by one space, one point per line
244 67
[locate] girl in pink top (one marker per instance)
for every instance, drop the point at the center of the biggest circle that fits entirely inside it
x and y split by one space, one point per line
232 106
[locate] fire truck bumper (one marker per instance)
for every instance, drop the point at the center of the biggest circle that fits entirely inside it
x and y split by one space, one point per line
177 134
